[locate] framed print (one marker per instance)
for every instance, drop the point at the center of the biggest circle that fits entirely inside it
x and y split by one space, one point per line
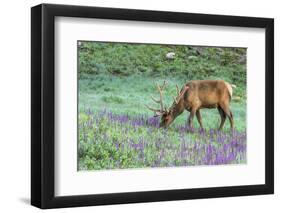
139 106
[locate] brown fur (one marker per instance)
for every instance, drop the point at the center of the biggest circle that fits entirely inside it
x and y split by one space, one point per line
200 94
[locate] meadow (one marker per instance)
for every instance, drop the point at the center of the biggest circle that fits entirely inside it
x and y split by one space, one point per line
117 131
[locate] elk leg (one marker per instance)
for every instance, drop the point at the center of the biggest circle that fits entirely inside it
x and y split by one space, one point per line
228 113
231 120
199 118
223 117
191 115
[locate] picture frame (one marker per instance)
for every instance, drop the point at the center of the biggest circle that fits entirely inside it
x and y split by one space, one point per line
43 128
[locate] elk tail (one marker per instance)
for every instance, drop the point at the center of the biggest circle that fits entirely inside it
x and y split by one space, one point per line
230 88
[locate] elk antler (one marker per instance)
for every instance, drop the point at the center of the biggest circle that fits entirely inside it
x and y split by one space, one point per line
160 101
178 91
180 94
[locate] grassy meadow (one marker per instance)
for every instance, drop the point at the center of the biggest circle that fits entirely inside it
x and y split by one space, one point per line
116 130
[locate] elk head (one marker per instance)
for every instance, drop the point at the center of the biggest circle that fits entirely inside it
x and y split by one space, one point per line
167 115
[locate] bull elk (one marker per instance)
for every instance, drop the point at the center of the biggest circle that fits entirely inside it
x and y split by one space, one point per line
193 96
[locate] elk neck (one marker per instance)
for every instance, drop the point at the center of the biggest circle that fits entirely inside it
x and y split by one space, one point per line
177 109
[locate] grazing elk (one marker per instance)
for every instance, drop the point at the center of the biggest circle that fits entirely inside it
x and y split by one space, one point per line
193 96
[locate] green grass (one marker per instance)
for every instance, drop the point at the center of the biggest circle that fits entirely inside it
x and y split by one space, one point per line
129 94
189 62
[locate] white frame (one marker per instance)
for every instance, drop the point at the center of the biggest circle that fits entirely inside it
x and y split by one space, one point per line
70 182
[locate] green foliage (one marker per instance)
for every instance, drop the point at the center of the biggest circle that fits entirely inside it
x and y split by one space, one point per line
123 59
111 141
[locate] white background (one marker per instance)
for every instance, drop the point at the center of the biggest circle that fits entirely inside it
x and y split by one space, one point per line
15 106
70 182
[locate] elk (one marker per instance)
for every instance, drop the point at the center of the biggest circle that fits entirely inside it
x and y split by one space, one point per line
194 96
